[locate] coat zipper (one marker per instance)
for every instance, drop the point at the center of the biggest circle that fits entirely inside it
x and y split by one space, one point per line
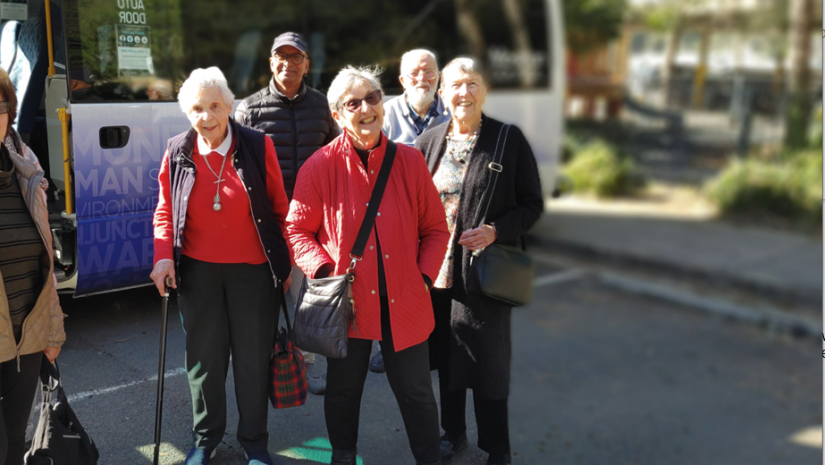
294 145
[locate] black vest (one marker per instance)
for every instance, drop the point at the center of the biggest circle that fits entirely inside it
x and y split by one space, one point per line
249 160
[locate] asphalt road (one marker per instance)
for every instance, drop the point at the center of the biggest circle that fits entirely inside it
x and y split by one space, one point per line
600 376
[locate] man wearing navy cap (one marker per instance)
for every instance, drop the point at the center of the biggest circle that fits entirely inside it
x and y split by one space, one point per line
298 120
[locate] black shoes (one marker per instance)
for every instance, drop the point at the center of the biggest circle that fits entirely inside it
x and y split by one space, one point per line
377 363
498 459
344 457
450 448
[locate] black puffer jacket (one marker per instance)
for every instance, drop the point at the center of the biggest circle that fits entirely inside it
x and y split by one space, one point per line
297 127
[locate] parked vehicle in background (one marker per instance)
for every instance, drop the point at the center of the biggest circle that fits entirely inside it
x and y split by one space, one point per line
117 65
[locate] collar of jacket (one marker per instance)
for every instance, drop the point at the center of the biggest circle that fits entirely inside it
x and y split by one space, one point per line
186 153
343 144
439 105
24 167
302 91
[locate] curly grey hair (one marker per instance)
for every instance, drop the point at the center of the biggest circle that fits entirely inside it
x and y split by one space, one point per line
349 78
203 79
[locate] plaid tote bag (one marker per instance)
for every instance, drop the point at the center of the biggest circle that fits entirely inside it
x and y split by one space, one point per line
287 370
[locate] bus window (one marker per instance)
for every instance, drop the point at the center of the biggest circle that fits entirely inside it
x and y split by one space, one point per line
514 49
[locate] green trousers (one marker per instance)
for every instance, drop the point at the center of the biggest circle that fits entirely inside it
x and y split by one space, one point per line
228 309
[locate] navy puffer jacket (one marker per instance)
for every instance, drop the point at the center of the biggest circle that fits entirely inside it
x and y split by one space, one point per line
297 127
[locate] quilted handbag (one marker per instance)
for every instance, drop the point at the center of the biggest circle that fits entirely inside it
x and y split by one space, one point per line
325 306
287 370
59 438
502 273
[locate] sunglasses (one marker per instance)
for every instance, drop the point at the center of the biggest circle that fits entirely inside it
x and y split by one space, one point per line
373 98
4 107
296 58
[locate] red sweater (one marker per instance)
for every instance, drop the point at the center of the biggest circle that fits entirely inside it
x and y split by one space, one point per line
328 205
226 236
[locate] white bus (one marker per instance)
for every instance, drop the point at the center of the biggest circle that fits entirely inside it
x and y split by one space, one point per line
118 63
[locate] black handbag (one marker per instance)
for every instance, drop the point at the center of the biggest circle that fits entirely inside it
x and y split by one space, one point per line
503 273
325 307
59 438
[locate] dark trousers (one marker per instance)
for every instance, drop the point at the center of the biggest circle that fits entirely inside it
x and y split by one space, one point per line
491 415
409 377
228 307
17 389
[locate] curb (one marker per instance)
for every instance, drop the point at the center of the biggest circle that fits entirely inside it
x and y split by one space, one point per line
769 318
765 290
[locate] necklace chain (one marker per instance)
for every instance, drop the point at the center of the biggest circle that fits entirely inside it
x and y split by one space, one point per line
217 199
461 148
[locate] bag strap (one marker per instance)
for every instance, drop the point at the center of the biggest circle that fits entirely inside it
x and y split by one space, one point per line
495 168
372 207
281 291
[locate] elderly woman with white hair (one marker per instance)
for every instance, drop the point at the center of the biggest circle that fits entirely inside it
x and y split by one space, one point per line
472 337
219 234
393 278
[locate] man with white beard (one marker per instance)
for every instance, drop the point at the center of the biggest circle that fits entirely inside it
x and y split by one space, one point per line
409 114
420 107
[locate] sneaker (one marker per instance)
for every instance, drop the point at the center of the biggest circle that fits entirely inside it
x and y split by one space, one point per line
316 383
377 363
261 458
450 448
199 456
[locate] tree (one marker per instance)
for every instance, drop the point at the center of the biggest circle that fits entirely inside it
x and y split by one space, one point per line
798 113
591 23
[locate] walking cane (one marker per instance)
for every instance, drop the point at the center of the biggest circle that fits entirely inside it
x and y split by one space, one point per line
161 368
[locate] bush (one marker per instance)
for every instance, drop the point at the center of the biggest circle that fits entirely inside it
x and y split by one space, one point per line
788 186
597 168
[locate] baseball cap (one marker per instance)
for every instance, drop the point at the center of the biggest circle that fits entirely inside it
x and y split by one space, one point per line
289 38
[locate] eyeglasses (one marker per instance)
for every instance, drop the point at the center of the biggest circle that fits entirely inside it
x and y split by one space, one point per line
428 75
4 107
373 98
296 58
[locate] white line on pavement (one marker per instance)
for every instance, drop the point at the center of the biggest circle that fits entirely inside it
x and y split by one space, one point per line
96 392
557 278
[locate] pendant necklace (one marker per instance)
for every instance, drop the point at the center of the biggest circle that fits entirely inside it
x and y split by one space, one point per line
217 205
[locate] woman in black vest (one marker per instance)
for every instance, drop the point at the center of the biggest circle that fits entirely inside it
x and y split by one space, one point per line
471 340
218 234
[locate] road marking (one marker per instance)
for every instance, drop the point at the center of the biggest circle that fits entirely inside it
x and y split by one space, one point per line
167 454
556 278
96 392
809 437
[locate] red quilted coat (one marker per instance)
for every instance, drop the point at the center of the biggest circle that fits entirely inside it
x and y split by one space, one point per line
328 206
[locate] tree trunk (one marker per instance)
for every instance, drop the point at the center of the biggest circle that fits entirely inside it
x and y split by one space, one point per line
521 40
798 111
470 29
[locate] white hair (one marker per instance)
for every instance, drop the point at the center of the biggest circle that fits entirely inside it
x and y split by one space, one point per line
349 78
203 79
412 55
465 65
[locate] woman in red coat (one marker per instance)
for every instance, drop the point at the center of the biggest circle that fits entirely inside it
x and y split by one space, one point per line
402 256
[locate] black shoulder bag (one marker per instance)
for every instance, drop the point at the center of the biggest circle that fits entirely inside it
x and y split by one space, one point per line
59 438
505 274
325 307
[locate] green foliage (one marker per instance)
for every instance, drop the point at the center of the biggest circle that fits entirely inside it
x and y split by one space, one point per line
787 186
598 168
591 23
